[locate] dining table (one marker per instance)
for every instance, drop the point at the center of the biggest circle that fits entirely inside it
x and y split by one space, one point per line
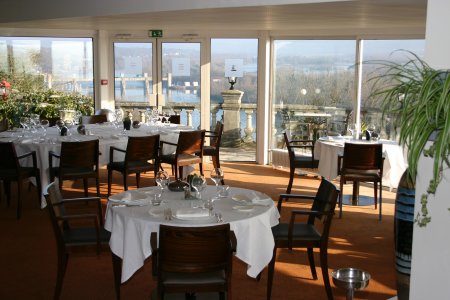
328 149
43 140
131 218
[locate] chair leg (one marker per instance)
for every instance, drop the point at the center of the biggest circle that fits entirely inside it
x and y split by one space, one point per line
63 258
341 187
97 186
85 185
125 182
375 194
109 181
19 200
117 269
291 180
271 269
381 200
201 168
312 265
324 267
138 179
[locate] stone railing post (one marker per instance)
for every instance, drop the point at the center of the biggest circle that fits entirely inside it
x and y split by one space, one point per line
231 106
142 116
189 116
249 128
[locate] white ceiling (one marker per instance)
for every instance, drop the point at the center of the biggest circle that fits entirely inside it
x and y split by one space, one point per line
376 17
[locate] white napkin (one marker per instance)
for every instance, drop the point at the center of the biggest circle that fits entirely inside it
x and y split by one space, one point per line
129 198
259 198
251 197
183 213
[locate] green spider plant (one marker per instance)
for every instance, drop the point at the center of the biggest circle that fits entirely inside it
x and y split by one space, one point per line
417 98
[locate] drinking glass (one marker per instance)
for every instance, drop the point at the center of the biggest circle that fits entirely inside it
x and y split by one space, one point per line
217 177
156 194
199 183
162 179
352 129
118 114
371 129
24 122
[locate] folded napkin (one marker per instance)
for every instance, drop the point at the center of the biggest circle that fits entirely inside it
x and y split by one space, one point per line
183 213
129 198
252 197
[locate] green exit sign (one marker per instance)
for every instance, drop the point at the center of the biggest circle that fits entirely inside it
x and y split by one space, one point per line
157 33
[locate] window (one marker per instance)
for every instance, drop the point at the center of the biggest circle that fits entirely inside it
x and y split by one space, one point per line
313 87
239 138
62 64
133 80
375 51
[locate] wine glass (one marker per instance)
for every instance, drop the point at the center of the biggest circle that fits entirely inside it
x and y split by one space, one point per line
199 183
162 179
118 114
352 129
371 129
217 176
24 122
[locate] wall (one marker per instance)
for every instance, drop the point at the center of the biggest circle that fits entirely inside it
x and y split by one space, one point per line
431 245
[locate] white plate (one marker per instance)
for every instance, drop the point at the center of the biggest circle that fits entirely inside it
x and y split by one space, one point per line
194 218
243 207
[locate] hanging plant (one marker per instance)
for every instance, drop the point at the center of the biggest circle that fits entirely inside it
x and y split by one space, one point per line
417 98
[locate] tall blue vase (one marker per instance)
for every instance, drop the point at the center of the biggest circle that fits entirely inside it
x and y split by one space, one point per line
403 234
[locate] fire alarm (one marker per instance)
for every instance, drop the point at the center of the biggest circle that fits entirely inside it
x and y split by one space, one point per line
104 81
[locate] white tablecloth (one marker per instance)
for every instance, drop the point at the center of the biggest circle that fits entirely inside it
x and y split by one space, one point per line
107 134
131 228
328 150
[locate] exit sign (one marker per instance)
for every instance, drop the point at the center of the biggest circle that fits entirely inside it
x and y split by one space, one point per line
157 33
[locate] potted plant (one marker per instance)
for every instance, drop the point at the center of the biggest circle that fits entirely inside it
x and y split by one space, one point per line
418 97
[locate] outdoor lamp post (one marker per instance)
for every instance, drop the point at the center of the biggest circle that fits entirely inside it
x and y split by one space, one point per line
232 81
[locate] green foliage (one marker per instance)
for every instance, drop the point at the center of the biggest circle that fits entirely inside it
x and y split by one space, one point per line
418 98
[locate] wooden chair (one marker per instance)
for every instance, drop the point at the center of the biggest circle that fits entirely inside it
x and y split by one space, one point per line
140 151
361 163
11 170
215 138
299 161
307 235
193 260
95 119
73 230
77 160
189 151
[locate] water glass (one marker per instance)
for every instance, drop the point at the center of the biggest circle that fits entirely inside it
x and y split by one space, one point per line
217 177
223 191
156 196
162 179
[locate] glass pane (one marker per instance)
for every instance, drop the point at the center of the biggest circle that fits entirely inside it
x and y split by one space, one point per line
238 116
379 50
133 81
181 81
44 75
313 88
